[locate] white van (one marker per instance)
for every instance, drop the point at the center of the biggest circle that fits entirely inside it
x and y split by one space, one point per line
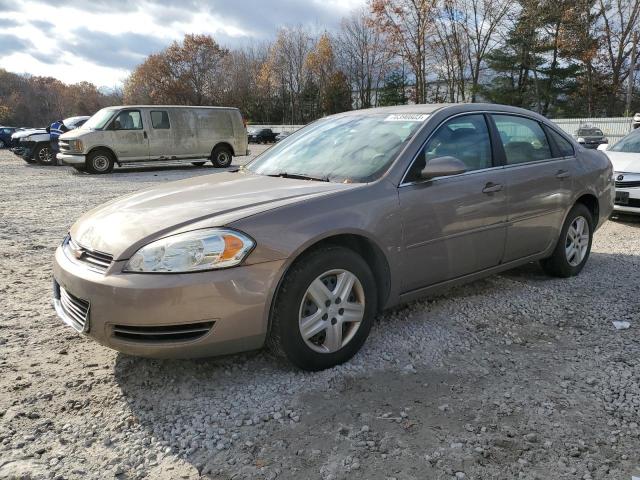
144 133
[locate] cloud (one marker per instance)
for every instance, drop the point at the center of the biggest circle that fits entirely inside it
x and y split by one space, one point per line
11 44
124 50
108 38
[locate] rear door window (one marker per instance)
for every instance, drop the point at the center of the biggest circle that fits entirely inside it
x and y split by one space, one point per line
522 138
563 147
160 120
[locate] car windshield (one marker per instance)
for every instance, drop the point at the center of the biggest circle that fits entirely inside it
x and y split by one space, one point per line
351 148
99 119
628 144
590 132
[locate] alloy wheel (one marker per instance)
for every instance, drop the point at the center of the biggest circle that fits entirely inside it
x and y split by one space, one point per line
44 155
331 311
577 241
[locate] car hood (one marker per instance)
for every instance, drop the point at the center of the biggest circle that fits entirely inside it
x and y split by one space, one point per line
26 133
624 161
122 226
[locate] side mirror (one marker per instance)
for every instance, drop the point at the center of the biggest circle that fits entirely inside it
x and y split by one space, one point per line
442 166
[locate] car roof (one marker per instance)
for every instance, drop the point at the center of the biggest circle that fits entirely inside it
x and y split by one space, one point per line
171 106
430 108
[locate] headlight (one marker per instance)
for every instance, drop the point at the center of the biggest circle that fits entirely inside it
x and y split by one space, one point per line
76 145
192 252
580 140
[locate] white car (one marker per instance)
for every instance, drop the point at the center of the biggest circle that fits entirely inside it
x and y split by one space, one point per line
625 157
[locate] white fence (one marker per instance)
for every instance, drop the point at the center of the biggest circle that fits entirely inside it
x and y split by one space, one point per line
278 128
614 127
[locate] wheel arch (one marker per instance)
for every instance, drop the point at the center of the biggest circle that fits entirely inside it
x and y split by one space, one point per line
105 148
359 244
590 201
223 144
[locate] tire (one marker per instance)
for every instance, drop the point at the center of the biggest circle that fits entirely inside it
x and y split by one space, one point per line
294 302
43 155
570 254
221 157
99 162
198 164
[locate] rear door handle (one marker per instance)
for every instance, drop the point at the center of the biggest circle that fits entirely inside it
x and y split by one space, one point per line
563 174
145 134
492 187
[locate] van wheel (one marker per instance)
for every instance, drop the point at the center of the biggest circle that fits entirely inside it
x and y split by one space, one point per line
43 155
574 245
324 309
99 161
221 157
198 164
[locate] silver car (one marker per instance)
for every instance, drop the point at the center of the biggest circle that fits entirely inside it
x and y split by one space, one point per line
353 214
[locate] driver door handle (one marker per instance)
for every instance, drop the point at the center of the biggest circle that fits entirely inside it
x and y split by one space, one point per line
563 174
492 187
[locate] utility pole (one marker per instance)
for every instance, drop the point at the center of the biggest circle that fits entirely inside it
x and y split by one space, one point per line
632 71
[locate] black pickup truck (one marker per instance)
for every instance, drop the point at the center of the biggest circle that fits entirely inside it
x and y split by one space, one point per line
261 135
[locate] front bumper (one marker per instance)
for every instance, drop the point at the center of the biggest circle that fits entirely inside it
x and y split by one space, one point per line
69 159
229 307
627 192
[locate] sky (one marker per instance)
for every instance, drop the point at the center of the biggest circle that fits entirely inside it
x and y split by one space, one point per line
101 41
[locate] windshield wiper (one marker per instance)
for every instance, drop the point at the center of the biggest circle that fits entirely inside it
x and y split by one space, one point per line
299 176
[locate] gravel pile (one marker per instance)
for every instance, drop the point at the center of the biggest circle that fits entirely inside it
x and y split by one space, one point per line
514 376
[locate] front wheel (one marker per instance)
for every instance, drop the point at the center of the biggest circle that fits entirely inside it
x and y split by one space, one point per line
574 245
43 155
221 157
324 309
99 161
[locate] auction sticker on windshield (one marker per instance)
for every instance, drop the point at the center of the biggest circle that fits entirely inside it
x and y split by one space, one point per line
407 117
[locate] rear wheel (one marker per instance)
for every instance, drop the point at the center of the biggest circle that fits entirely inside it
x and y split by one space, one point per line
324 309
221 157
574 245
43 155
100 161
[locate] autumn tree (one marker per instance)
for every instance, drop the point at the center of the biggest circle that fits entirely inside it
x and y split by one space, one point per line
409 26
186 73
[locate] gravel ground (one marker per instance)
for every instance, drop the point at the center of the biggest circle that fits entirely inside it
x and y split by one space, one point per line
515 376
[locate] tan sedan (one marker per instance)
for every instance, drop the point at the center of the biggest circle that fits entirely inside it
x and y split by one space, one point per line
353 214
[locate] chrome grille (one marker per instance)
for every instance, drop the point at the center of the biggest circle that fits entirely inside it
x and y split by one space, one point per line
95 260
75 309
629 184
63 146
165 333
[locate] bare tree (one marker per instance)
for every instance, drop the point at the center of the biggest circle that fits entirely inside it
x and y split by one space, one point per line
289 63
620 18
482 22
363 56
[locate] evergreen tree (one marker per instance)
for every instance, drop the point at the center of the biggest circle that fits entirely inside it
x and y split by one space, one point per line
394 90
